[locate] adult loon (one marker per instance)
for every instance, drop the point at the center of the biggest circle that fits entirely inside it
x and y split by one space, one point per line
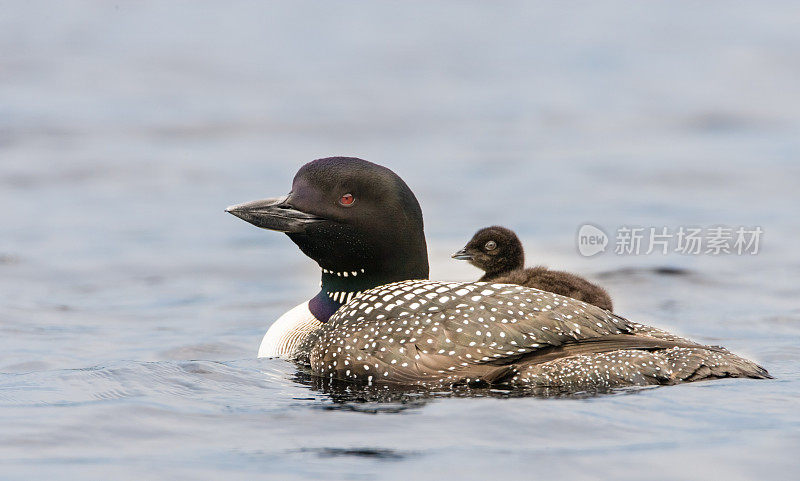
381 319
498 252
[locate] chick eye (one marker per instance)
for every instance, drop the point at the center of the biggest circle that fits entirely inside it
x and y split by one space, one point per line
347 199
490 246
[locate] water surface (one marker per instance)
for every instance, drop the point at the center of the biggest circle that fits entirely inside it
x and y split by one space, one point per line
131 305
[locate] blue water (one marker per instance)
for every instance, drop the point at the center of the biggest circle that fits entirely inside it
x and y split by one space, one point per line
131 305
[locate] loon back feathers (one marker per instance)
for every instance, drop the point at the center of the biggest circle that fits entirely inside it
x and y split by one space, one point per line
435 334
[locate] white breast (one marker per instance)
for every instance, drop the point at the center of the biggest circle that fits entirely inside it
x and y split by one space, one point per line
285 335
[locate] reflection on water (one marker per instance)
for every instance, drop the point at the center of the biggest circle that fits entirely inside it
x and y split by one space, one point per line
391 398
131 305
631 272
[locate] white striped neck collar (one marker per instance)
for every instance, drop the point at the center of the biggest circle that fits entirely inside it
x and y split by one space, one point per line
338 288
324 304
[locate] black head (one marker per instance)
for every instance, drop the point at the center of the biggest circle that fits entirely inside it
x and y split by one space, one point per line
358 220
494 250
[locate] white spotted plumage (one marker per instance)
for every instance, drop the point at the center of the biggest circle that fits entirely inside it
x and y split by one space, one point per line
399 333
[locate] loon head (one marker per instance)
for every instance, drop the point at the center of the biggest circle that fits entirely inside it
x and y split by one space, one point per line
358 220
493 250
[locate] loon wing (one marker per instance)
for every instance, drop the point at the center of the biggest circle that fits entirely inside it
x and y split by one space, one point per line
434 333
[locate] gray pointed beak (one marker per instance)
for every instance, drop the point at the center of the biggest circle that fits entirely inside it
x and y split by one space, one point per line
274 214
462 255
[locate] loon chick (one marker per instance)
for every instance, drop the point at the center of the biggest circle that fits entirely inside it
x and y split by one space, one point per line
350 215
498 252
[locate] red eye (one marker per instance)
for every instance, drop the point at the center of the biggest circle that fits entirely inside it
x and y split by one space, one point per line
347 199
